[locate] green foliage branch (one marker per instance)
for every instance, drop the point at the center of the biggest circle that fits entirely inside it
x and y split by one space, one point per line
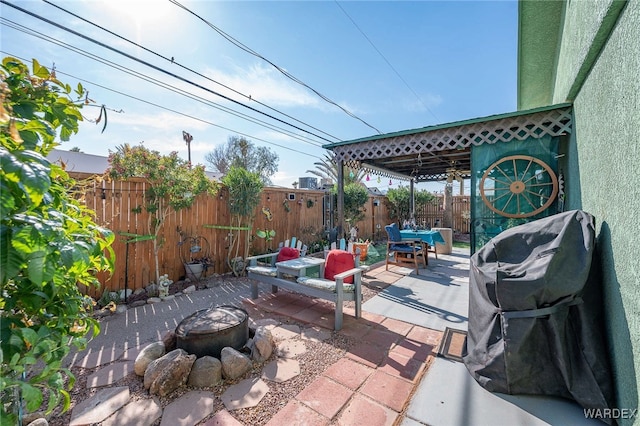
173 184
49 243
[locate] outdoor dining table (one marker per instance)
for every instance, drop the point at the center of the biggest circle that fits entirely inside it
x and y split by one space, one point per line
298 267
429 237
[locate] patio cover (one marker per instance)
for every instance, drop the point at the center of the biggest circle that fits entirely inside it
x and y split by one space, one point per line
535 312
436 153
433 153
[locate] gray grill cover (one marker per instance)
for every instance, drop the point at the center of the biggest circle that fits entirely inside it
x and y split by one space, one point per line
535 312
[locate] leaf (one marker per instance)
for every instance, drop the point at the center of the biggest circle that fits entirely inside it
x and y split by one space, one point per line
36 267
39 70
7 255
29 170
32 395
66 400
29 336
105 119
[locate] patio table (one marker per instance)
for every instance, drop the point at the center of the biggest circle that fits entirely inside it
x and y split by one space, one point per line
429 237
298 267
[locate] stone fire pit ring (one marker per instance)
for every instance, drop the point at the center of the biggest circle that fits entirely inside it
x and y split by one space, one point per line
208 331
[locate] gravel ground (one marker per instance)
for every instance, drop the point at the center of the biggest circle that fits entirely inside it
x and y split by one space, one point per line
318 357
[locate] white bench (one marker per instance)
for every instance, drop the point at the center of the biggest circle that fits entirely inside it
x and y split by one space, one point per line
263 269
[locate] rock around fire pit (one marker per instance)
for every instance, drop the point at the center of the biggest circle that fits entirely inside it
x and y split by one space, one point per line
208 346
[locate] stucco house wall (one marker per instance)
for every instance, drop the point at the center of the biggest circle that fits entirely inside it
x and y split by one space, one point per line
598 69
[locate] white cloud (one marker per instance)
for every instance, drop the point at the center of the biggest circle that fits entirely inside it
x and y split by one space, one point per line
156 122
264 84
282 178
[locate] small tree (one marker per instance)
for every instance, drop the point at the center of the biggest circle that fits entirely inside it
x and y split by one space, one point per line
244 195
355 197
49 244
398 200
173 184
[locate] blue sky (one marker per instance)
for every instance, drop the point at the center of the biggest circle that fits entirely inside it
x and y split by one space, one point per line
394 65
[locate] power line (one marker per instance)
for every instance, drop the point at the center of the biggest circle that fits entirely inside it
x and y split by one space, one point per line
170 110
162 70
171 60
385 59
154 81
284 72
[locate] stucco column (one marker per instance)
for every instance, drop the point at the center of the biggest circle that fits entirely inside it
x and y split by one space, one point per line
447 219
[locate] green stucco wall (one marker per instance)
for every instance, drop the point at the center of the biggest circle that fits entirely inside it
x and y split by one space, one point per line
603 167
539 31
587 25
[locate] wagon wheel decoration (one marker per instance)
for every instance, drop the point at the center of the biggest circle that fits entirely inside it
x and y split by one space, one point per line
519 183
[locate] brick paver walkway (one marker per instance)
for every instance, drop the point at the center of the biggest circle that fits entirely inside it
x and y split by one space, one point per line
372 384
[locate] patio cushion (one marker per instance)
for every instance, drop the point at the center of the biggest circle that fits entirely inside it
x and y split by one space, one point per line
324 284
263 270
404 248
339 261
288 253
393 232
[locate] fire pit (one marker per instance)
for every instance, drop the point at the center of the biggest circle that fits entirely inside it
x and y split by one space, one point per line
208 331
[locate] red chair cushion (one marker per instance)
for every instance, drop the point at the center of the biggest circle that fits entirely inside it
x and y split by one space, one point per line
339 261
287 253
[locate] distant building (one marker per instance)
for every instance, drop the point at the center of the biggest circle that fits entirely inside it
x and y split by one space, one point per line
308 183
375 191
79 162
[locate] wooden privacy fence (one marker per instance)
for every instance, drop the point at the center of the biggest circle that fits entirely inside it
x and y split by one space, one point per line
432 213
301 213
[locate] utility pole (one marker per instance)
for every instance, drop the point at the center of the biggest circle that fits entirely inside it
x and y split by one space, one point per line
188 138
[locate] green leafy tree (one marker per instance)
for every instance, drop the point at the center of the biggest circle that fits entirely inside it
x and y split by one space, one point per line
173 184
241 152
355 197
49 244
244 195
398 202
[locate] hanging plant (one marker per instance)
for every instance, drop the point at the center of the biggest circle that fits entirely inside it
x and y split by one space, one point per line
309 203
286 206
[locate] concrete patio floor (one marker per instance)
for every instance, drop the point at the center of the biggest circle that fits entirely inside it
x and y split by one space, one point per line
447 394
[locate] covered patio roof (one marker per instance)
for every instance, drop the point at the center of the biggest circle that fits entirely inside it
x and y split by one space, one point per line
434 153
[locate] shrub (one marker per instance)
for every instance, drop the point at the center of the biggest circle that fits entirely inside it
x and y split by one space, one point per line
49 244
